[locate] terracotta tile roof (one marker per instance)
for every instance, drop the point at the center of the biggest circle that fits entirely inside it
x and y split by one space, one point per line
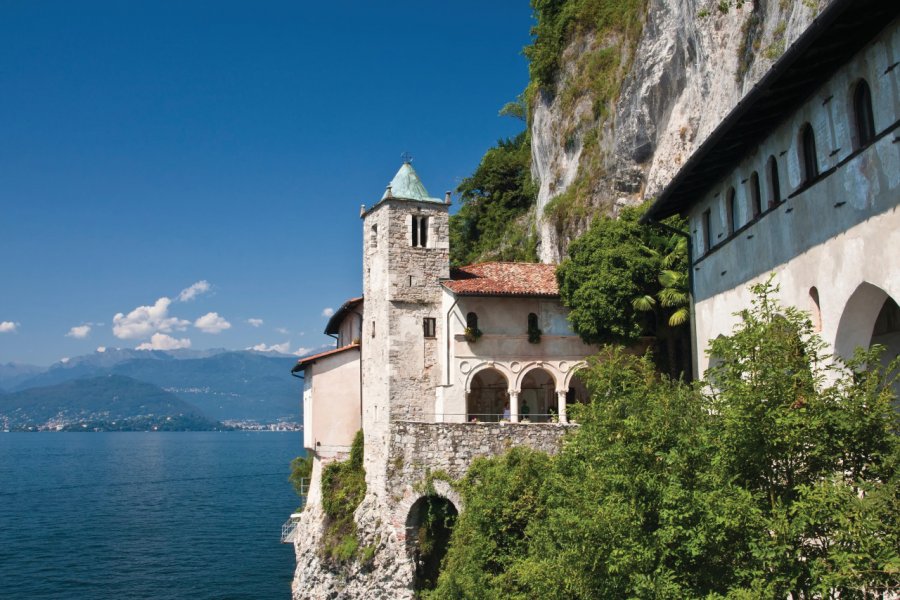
503 279
308 360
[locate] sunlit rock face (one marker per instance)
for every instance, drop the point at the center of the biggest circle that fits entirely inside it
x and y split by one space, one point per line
690 67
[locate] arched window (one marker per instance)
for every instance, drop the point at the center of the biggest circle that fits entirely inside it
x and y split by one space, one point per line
862 114
774 186
472 321
755 200
808 162
731 211
707 230
815 309
419 232
532 321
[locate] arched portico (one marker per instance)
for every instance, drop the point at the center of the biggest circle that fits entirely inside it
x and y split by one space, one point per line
538 401
487 395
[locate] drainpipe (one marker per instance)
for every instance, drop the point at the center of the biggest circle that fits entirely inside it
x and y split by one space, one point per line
690 251
447 335
359 314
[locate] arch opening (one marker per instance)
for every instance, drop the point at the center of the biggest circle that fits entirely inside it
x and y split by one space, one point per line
537 398
863 116
577 394
886 332
429 526
808 160
488 396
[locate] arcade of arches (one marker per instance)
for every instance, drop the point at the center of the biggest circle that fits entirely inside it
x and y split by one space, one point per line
537 399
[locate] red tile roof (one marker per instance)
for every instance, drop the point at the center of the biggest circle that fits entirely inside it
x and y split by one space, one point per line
503 279
308 360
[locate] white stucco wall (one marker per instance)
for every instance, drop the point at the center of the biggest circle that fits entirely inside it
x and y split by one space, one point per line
332 403
841 234
503 346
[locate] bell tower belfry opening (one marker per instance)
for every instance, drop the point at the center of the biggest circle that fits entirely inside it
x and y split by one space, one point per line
406 254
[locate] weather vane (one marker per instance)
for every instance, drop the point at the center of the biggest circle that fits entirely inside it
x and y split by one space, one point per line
407 157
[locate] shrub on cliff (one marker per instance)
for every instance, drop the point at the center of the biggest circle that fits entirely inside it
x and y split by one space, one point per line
343 488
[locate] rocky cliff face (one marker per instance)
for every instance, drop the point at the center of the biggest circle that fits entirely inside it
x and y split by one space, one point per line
691 65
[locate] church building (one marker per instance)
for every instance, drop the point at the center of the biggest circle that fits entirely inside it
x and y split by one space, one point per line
427 343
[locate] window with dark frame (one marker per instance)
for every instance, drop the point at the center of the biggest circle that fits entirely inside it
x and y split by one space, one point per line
808 159
862 114
774 186
707 230
755 198
419 231
731 211
429 326
472 321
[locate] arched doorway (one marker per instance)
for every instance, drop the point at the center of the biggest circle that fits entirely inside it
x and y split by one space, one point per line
488 396
577 393
869 317
886 331
428 528
537 398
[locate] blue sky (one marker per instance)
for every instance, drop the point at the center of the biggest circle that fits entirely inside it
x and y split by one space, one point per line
151 146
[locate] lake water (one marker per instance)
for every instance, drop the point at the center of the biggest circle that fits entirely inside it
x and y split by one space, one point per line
145 515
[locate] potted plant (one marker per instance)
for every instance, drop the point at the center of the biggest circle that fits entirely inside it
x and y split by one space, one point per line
472 334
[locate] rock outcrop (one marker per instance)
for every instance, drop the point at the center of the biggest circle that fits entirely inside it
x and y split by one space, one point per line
690 67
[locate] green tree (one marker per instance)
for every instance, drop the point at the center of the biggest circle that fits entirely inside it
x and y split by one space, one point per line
623 280
301 470
493 223
776 477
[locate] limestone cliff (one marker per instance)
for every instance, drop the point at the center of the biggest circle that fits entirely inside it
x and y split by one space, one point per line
690 65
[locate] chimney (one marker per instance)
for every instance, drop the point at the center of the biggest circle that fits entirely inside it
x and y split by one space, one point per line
362 209
389 193
447 197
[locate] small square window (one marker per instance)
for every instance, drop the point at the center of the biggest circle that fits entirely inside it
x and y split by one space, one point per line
429 325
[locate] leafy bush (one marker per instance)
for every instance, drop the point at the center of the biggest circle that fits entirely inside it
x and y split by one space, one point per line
343 488
493 223
778 479
301 468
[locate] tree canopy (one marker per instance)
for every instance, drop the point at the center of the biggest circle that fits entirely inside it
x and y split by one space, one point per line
492 223
623 280
778 476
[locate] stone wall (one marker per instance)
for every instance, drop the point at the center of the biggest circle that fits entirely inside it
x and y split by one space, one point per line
413 451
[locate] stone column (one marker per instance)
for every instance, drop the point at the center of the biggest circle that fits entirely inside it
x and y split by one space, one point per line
561 402
514 407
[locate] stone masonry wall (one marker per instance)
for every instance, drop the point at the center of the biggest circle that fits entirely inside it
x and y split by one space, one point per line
414 450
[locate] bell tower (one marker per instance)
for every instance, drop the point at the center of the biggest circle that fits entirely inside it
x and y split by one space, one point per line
406 254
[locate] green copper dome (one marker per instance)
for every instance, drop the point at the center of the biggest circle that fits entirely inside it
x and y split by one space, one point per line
407 185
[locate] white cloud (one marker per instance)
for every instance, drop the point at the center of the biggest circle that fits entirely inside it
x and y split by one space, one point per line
64 359
80 331
302 351
101 349
327 312
282 330
8 327
280 348
212 323
161 341
189 293
255 322
144 321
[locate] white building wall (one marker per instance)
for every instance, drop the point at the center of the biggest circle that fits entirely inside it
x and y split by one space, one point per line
504 346
836 235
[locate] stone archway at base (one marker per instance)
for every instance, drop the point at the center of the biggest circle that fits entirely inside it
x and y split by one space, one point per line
429 525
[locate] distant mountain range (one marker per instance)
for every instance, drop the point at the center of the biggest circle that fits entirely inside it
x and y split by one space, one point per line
105 402
217 385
